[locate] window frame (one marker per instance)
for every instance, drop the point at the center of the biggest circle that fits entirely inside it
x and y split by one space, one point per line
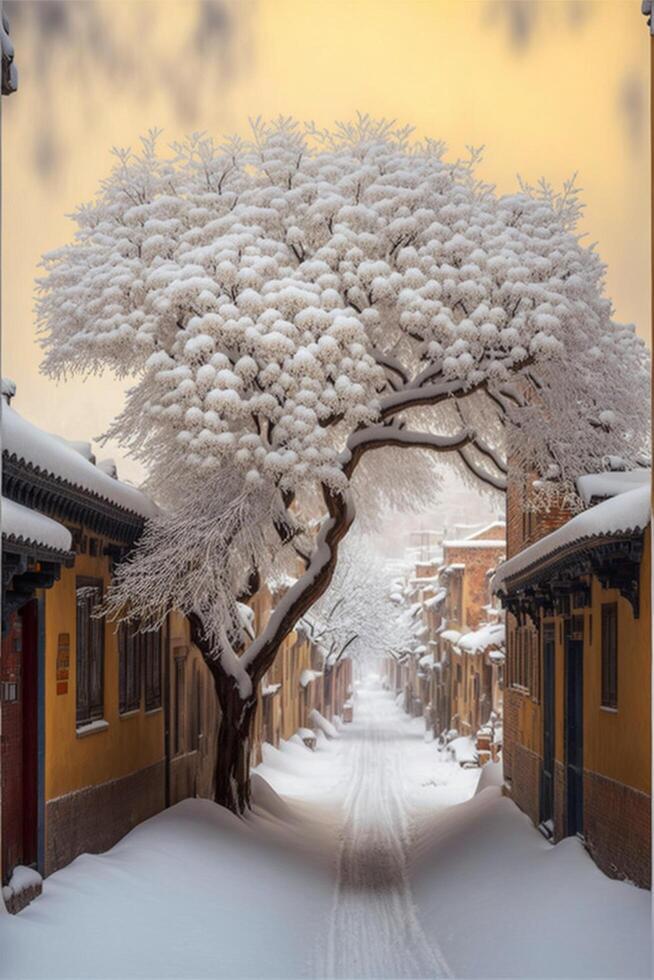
152 642
130 667
609 656
89 654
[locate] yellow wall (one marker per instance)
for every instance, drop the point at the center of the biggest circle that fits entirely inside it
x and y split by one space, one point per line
192 771
129 743
617 744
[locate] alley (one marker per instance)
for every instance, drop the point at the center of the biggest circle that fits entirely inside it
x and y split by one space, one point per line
374 929
371 856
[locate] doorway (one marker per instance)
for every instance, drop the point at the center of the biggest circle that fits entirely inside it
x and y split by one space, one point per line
19 763
547 774
574 732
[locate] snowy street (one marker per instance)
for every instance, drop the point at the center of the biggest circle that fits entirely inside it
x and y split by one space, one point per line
369 857
374 929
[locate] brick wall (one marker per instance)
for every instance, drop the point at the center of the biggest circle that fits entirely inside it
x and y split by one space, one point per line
617 829
93 819
521 531
525 784
510 734
478 562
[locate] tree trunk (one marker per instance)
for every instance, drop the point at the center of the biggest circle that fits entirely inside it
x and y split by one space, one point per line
234 736
232 782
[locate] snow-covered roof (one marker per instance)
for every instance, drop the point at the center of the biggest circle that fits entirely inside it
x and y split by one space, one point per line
26 526
480 640
452 636
611 484
499 524
482 543
625 513
58 458
436 600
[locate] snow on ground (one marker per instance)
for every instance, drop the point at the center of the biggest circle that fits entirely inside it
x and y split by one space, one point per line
506 903
368 857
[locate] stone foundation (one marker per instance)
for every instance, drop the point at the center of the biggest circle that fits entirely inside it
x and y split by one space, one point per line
617 829
93 819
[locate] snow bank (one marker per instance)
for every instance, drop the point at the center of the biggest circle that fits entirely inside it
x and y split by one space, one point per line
194 892
463 750
318 721
28 526
265 798
492 774
623 514
533 909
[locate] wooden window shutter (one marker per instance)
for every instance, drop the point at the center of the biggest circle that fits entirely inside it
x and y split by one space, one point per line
89 652
82 656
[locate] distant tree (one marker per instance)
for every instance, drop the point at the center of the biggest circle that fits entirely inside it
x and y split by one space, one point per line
289 305
358 615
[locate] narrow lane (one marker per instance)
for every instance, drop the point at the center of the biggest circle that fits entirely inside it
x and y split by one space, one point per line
374 929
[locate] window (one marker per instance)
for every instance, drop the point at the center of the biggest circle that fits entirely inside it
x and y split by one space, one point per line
140 666
90 652
129 651
528 522
151 644
524 660
610 655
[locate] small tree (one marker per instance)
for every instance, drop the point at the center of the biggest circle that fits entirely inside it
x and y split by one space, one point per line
291 304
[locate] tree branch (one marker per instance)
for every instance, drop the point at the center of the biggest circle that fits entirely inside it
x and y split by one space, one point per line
498 483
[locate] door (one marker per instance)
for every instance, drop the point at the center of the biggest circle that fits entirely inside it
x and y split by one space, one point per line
29 616
547 775
574 731
18 758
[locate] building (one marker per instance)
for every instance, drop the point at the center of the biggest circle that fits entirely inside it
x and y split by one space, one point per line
102 727
192 717
577 704
467 564
453 674
301 680
83 703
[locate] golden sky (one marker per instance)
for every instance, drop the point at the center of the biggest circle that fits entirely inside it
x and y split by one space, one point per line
550 87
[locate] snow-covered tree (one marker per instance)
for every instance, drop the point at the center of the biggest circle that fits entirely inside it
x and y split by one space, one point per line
289 305
358 614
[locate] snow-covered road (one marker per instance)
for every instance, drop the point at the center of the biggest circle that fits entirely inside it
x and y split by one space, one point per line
374 930
369 857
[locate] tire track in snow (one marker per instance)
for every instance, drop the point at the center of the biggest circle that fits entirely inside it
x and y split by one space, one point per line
374 931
